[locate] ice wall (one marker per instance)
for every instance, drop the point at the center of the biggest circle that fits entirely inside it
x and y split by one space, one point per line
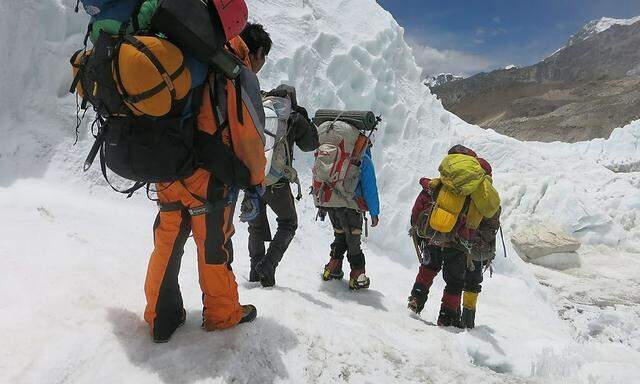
37 37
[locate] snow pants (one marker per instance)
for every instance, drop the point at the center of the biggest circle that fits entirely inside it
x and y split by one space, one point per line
182 211
472 285
452 262
473 279
280 199
347 230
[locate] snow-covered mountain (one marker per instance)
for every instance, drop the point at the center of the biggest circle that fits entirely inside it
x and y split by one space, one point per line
74 254
583 91
594 27
443 78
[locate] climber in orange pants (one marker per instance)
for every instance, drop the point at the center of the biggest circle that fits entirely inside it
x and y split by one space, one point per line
212 231
230 146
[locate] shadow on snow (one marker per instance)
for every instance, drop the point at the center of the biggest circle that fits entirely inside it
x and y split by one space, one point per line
247 353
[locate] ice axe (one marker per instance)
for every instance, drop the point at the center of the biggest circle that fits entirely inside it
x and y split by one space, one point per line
416 244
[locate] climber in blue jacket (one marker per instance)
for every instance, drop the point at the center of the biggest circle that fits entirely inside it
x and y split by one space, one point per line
347 227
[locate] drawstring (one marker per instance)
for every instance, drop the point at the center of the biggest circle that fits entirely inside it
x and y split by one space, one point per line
77 6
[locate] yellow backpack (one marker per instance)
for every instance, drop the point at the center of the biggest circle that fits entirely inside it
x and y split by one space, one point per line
463 182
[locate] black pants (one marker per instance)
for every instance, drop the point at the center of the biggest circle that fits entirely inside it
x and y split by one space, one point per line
281 202
347 229
453 264
473 279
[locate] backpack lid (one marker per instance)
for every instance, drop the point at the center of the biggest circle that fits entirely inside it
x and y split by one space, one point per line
280 106
120 10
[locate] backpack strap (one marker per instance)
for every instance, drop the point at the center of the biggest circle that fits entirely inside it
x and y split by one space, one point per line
238 86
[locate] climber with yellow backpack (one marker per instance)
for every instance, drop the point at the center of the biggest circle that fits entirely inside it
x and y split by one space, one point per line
444 223
176 108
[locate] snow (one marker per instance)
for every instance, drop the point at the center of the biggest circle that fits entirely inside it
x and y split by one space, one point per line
75 253
595 27
443 78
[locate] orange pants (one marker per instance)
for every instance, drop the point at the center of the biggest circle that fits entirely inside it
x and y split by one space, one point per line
212 230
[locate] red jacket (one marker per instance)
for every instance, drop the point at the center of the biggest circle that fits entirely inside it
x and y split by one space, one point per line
422 201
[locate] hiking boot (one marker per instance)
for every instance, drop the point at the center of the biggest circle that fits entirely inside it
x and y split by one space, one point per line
333 270
249 313
416 303
266 272
418 298
468 319
358 280
163 337
254 276
448 318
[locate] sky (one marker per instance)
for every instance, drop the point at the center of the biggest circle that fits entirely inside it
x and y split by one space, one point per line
470 36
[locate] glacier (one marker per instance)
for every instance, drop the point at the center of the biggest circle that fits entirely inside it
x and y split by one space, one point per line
75 254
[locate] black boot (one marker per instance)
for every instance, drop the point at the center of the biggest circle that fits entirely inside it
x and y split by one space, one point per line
163 334
418 298
267 272
254 276
468 319
448 318
249 313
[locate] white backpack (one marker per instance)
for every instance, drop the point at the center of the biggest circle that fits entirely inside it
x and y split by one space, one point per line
277 152
336 170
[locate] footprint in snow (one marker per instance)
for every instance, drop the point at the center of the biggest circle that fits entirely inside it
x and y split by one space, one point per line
45 213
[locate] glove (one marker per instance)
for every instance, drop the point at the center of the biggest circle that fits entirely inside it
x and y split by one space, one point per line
250 207
232 196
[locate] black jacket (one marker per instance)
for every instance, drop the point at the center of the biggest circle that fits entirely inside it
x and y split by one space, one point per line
302 132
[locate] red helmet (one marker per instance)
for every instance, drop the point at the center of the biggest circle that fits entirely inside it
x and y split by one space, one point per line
233 16
460 149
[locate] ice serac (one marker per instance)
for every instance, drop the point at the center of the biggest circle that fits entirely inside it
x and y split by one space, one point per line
352 54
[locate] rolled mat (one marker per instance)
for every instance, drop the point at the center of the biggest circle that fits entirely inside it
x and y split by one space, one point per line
362 120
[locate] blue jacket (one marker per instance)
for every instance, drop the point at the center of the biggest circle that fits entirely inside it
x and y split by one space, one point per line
367 187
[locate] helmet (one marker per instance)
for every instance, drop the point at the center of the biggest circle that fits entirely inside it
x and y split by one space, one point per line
485 166
233 16
460 149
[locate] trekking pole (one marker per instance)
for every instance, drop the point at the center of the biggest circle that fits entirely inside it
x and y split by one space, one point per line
504 246
366 225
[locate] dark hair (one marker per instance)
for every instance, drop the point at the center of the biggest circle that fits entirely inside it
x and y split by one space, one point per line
255 37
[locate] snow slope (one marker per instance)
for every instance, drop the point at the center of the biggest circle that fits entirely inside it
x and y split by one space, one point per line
73 296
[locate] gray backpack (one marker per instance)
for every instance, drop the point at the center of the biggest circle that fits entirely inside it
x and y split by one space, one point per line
277 152
336 171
